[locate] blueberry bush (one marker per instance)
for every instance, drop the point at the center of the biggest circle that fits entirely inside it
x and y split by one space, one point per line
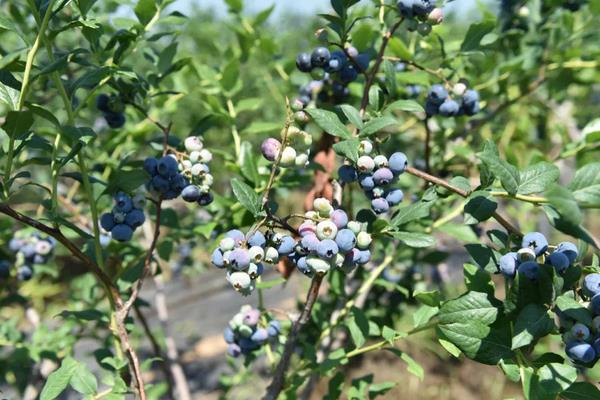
348 148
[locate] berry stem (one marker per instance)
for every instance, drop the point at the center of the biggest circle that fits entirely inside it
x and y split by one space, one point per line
440 182
278 381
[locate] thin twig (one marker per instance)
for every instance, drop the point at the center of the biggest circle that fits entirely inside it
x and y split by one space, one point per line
278 381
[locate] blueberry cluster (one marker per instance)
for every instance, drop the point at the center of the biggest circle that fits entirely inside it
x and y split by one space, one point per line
296 148
185 174
30 250
420 15
331 73
243 255
534 250
328 239
126 216
440 102
248 330
376 175
582 342
112 109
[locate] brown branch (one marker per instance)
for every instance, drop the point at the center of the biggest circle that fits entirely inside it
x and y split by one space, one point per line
427 145
440 182
278 381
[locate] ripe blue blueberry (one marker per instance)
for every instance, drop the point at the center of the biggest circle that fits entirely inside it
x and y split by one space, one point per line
470 97
107 221
327 248
4 269
339 218
581 352
508 264
348 73
24 273
122 232
260 335
303 62
234 350
150 166
309 243
336 62
366 181
205 199
380 205
535 241
102 102
422 7
595 304
274 328
123 203
286 246
135 218
237 236
302 265
347 174
345 240
559 261
190 193
363 257
580 331
257 239
362 61
529 269
160 184
239 258
320 57
229 335
449 108
394 197
405 8
397 163
114 119
383 176
167 166
568 249
217 258
437 94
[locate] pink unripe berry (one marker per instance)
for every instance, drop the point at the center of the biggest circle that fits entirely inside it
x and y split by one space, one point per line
436 16
270 148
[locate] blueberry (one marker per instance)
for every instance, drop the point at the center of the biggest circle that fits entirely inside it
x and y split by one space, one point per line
303 62
286 246
397 163
217 258
15 244
303 267
270 148
431 108
347 174
449 108
595 304
274 328
366 181
581 351
260 335
123 203
248 345
237 236
363 257
205 199
114 119
362 61
559 261
339 218
580 331
167 166
234 350
251 317
383 176
150 166
4 269
239 258
190 193
530 269
320 57
24 273
394 197
307 228
405 8
422 8
345 240
413 90
255 270
470 97
257 239
28 250
535 241
327 248
135 218
437 94
122 232
228 335
336 62
568 249
102 102
240 280
309 243
400 67
469 109
380 205
508 264
107 221
348 73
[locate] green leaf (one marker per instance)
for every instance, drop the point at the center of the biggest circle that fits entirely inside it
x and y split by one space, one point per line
85 6
450 347
248 163
246 195
377 124
399 49
58 380
480 207
230 74
405 105
507 173
329 122
414 239
84 381
564 202
553 378
17 123
126 181
586 184
145 11
532 323
581 391
411 213
536 178
573 309
347 148
353 115
262 127
431 298
412 366
389 71
358 325
380 389
423 315
475 33
591 132
472 306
